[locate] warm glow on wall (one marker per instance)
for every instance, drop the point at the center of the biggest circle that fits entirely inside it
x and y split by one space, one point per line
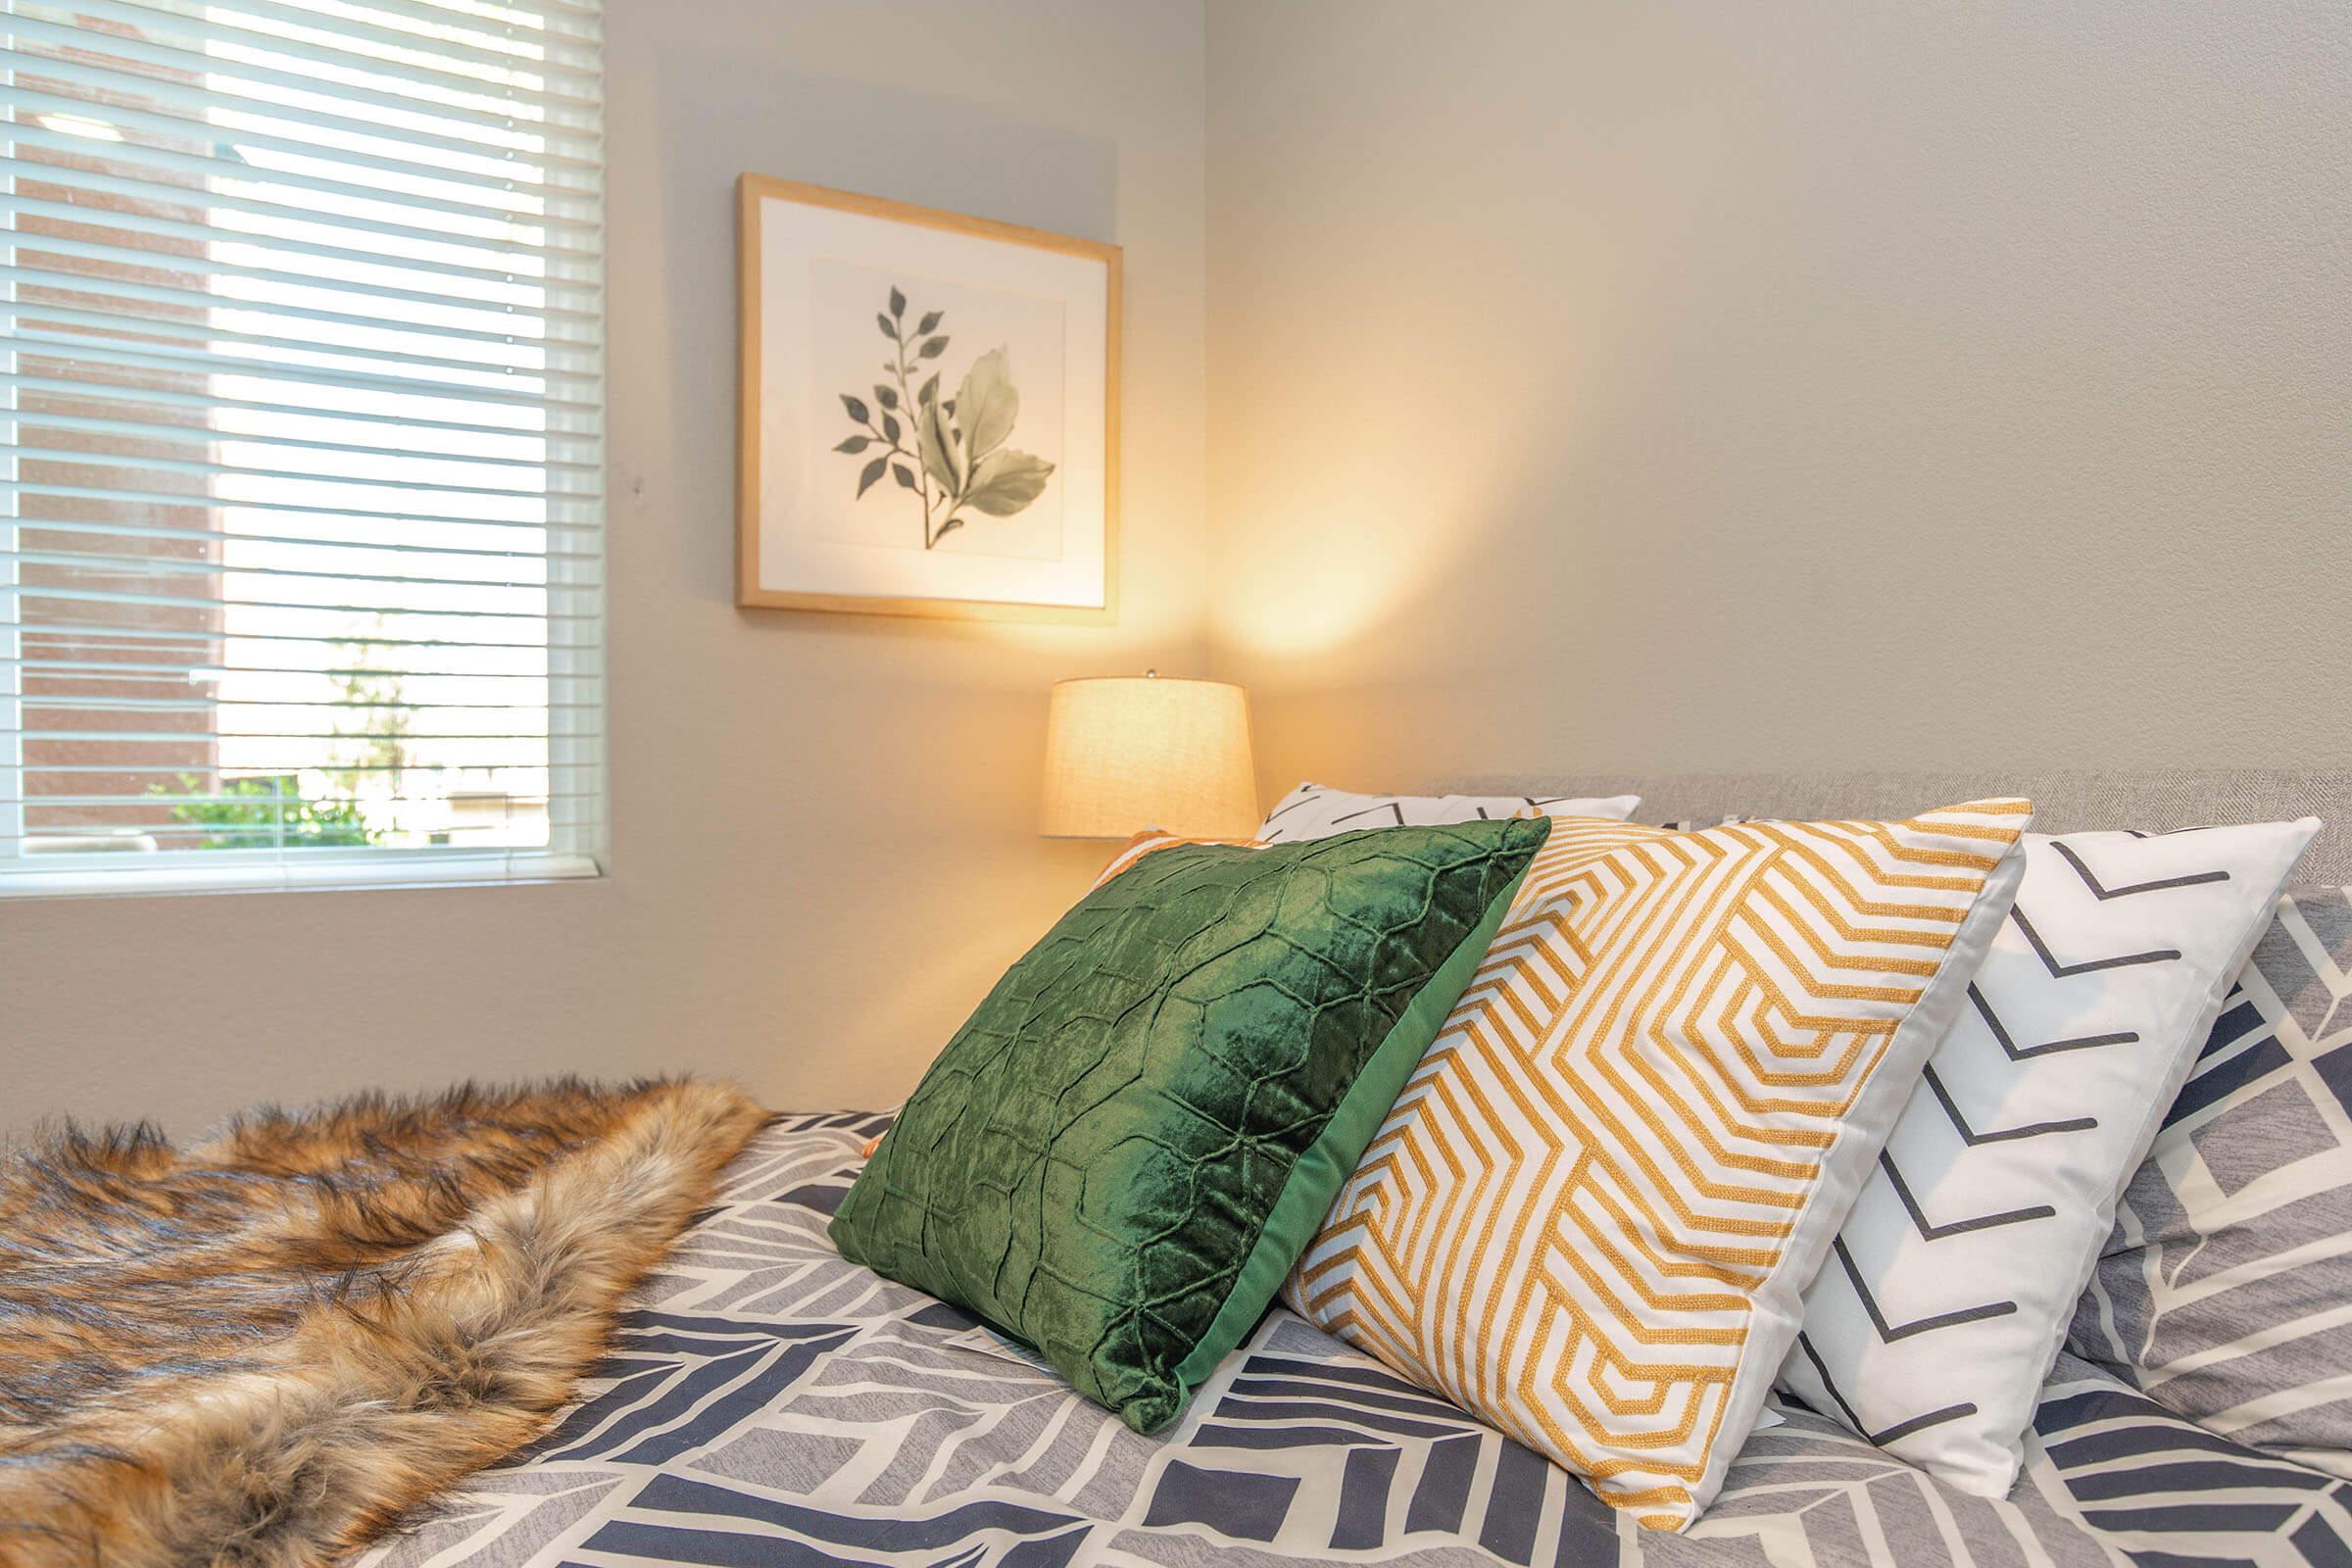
1132 752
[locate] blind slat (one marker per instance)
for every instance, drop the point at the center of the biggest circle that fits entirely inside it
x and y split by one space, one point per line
196 107
587 23
165 498
125 176
43 770
536 20
424 333
194 63
151 431
532 51
142 397
490 216
182 737
126 255
486 32
93 560
296 869
298 754
144 531
37 324
337 41
85 670
107 354
98 631
179 836
148 226
104 595
168 798
236 144
139 467
184 703
255 803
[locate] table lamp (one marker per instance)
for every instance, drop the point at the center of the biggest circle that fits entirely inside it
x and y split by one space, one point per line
1128 753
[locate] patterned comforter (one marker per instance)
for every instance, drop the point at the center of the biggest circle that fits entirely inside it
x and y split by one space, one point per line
771 1404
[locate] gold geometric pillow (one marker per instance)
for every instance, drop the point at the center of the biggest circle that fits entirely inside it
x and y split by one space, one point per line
1591 1216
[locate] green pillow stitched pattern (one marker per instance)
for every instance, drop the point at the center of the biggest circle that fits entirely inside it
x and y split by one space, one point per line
1122 1152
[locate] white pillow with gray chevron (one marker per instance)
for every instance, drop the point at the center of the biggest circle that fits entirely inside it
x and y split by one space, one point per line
1953 1281
1312 812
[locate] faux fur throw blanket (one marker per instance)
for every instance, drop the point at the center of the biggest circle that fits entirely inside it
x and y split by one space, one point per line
261 1351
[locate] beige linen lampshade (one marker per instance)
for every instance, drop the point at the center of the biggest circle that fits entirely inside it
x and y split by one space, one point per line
1127 753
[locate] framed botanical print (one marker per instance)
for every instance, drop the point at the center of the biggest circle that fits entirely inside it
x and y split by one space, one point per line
930 412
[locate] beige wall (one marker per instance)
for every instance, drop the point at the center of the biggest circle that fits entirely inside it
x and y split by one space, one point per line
1688 385
1594 387
824 844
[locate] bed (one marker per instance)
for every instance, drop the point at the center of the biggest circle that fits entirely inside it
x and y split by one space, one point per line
768 1402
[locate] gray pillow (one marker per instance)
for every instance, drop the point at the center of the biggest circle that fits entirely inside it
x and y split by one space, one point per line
2223 1292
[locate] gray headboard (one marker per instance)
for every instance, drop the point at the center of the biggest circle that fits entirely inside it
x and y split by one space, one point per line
2063 802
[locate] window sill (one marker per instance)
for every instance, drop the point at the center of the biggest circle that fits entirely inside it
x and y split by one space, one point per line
422 868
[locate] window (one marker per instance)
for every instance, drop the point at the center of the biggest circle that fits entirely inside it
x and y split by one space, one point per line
301 442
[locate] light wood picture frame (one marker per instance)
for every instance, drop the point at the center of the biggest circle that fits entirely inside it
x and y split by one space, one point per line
929 411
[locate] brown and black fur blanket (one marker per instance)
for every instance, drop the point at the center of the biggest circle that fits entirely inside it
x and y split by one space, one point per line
264 1350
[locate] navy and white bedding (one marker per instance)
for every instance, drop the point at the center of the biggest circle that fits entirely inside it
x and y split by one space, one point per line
770 1403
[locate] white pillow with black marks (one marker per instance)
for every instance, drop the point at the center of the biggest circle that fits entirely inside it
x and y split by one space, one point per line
1312 812
1952 1284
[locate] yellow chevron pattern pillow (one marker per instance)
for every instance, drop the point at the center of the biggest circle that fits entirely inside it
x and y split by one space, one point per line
1593 1214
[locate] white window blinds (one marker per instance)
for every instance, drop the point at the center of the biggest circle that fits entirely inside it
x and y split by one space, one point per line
301 442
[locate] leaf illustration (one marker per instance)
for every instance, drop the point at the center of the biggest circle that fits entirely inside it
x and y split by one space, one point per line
855 444
898 305
929 390
890 428
943 455
888 397
932 348
888 329
988 403
858 409
928 325
1005 481
872 472
904 475
945 528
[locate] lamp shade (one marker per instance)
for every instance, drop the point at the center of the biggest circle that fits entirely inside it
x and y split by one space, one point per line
1127 754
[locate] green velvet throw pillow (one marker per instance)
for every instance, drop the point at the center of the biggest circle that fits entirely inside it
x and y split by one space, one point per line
1122 1152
